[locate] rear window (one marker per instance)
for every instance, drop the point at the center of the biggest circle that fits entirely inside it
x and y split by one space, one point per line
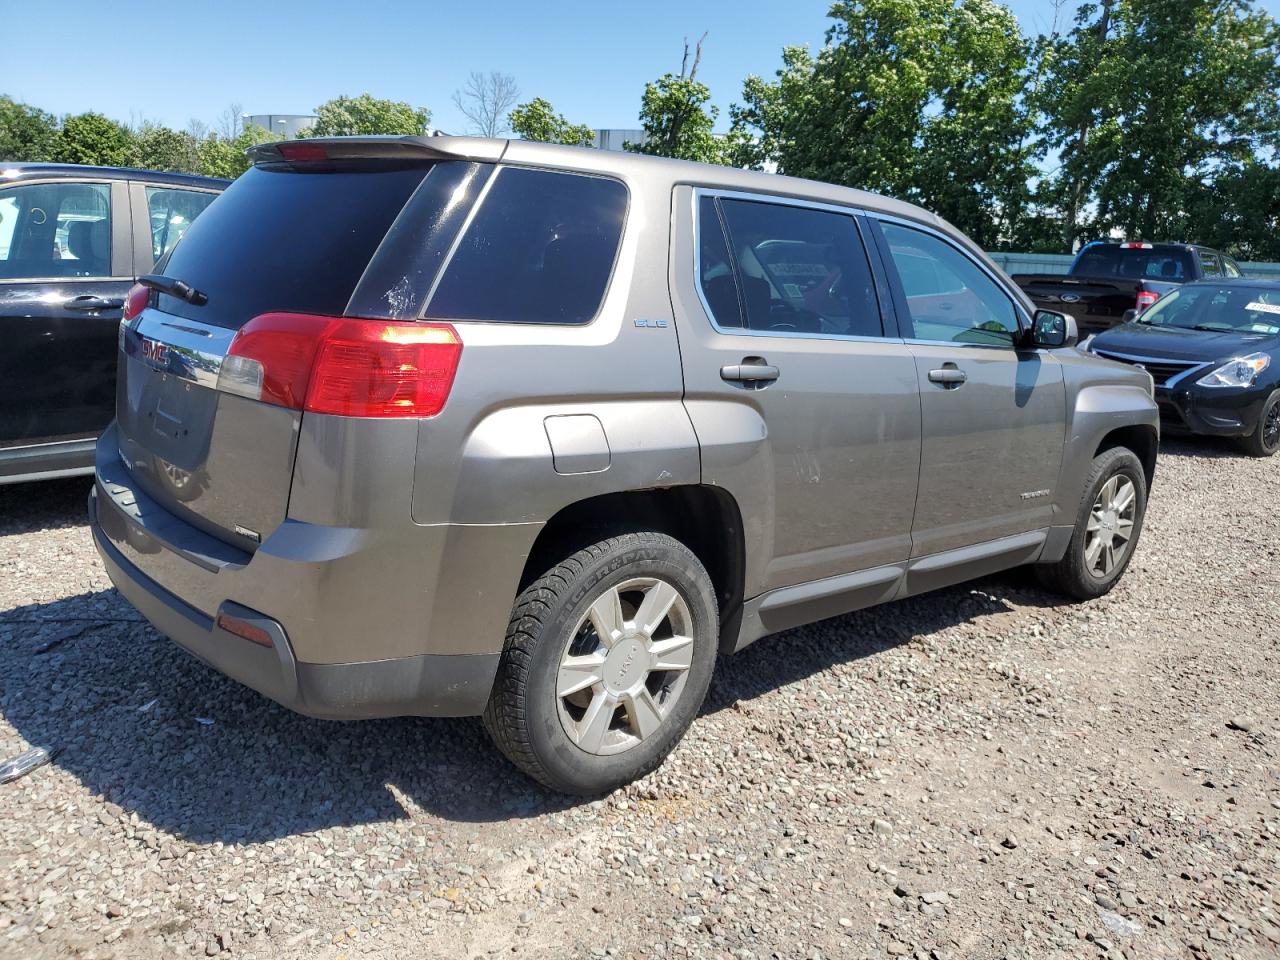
281 239
540 250
1134 263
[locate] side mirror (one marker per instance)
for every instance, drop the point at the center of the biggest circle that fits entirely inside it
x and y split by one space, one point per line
1130 315
1051 330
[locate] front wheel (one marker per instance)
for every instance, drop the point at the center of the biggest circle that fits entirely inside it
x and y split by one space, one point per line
1265 439
1107 528
608 657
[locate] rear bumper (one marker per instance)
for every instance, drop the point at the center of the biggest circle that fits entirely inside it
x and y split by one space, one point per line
363 623
423 685
427 685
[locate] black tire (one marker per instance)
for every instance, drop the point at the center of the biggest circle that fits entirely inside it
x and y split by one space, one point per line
1265 439
523 715
1072 575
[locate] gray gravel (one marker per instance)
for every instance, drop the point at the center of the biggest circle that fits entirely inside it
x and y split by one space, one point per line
986 772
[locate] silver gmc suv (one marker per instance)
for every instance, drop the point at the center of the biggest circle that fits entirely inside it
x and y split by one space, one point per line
449 426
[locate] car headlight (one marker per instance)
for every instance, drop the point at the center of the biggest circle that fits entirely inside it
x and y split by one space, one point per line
1241 372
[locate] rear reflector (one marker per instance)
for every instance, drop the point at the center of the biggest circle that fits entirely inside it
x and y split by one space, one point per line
343 366
244 630
136 301
1145 299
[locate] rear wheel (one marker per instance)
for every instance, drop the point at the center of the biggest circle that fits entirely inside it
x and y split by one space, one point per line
608 657
1107 528
1265 439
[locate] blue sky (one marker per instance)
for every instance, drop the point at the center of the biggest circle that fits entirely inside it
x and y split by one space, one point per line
174 61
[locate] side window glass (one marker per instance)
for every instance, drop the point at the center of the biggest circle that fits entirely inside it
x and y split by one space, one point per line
540 250
949 298
171 212
55 230
801 270
1209 262
715 270
1230 268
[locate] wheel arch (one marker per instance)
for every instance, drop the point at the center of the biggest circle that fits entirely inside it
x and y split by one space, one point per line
705 519
1141 439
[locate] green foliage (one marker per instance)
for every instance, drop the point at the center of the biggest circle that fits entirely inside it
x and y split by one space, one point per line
155 147
920 99
1161 110
220 157
677 121
367 115
27 134
93 139
537 120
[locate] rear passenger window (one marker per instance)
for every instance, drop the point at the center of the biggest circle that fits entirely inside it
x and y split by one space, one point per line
1209 264
171 213
948 298
798 270
540 250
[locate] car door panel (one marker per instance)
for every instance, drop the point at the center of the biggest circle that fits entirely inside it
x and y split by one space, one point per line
993 417
57 370
823 460
992 445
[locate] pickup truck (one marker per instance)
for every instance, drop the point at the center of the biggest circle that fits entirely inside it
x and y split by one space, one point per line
1109 279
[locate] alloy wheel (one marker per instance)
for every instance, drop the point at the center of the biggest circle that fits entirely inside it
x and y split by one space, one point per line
625 665
1110 527
1271 425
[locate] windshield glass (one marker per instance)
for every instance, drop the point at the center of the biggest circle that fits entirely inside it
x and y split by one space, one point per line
1134 263
1209 307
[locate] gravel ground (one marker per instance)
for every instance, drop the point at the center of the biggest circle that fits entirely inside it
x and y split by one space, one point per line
985 772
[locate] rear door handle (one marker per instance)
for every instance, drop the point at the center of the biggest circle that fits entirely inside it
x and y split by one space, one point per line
94 303
949 375
749 373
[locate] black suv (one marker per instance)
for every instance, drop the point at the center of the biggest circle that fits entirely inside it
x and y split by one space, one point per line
72 239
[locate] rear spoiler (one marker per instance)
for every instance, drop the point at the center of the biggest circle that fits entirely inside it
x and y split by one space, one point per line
480 149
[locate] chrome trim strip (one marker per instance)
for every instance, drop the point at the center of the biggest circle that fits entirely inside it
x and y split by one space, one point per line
1193 366
195 350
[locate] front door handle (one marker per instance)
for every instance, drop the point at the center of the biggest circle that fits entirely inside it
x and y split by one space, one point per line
94 303
949 376
751 370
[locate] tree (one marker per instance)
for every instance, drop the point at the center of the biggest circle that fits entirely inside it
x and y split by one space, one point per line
538 120
93 139
920 99
26 133
220 157
155 147
486 101
1153 102
676 119
366 115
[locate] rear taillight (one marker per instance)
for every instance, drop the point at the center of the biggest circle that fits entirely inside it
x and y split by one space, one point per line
135 301
343 366
1145 299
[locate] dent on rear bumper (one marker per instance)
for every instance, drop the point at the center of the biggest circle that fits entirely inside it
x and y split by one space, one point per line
421 685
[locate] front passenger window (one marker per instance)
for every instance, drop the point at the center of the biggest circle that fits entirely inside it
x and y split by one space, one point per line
948 298
50 230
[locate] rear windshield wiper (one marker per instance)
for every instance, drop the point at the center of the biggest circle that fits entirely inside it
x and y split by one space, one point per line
174 288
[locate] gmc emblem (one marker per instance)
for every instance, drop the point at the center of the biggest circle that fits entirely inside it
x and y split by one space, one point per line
155 351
